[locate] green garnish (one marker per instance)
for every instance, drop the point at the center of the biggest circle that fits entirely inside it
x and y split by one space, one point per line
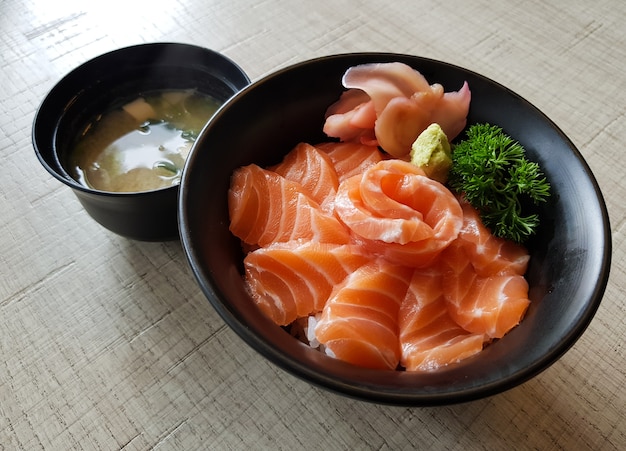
496 178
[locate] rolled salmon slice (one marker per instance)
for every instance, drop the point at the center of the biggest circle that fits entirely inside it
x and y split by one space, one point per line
265 208
359 323
295 279
429 337
399 213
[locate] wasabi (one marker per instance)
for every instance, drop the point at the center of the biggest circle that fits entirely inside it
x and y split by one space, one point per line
431 152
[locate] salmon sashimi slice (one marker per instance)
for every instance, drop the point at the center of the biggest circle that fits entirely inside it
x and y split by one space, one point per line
359 323
295 279
314 170
490 255
490 305
265 208
350 158
399 213
429 337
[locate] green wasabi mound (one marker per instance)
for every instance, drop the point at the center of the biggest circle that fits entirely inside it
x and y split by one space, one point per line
431 152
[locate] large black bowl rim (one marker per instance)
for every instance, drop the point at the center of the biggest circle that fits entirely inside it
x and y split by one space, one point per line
59 172
367 390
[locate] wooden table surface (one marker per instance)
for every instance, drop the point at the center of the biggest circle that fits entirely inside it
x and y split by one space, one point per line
107 343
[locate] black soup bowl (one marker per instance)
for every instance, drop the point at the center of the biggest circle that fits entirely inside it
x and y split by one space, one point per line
95 87
570 255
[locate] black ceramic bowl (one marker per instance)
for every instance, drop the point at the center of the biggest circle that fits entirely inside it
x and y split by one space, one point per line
570 259
92 88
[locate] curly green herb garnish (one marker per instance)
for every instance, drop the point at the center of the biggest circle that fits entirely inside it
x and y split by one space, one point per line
492 171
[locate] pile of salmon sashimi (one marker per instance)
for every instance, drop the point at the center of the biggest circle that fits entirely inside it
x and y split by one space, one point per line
371 260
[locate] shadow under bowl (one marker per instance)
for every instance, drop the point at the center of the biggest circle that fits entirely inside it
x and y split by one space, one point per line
570 255
92 89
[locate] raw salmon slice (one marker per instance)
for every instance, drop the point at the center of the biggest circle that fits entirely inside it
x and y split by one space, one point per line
350 158
490 305
265 208
295 279
314 170
490 255
429 337
399 213
359 323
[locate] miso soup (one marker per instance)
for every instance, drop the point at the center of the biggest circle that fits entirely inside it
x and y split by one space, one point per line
143 144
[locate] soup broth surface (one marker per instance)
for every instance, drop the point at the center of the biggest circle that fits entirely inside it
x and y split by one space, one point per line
142 145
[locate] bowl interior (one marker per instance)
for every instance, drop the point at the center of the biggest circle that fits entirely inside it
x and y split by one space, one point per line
570 255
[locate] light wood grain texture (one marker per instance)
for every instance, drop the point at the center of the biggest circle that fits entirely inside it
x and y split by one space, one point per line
107 343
